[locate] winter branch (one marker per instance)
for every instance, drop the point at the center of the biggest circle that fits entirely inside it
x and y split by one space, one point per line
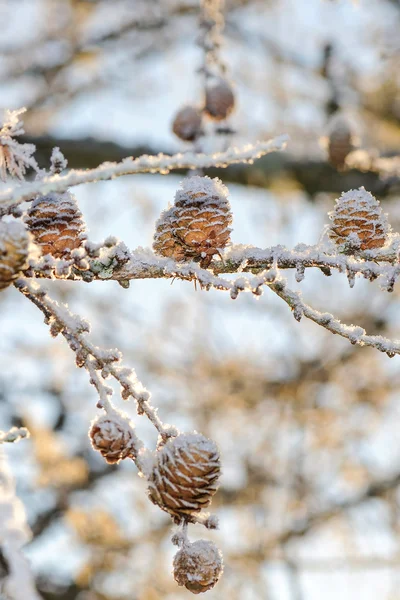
144 164
113 261
93 358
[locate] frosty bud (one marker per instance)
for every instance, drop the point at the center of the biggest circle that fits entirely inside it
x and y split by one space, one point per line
197 226
185 475
112 436
14 247
220 100
56 223
358 222
198 566
187 124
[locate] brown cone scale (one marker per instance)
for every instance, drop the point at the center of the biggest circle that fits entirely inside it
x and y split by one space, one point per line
358 221
197 226
56 224
112 438
185 476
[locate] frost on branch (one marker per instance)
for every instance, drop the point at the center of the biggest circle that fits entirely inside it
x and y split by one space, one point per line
161 163
15 158
15 434
197 226
58 161
198 566
358 222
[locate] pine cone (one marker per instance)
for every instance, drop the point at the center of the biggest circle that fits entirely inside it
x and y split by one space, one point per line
111 436
165 242
220 100
198 566
197 226
14 245
358 221
340 144
56 224
185 476
187 124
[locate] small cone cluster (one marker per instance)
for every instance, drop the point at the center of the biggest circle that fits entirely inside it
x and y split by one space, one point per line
187 124
197 226
112 437
358 221
198 566
14 246
220 100
56 224
219 103
340 143
185 475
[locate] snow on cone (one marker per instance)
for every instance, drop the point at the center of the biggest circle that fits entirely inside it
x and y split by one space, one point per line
113 436
358 221
198 566
197 226
14 248
185 476
56 224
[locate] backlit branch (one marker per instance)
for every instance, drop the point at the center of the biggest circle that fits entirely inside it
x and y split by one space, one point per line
144 164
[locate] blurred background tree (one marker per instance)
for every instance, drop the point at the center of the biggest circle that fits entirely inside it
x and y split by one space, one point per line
307 424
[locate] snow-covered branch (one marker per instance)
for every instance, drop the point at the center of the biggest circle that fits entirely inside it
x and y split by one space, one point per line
353 333
114 261
161 163
145 265
15 434
107 362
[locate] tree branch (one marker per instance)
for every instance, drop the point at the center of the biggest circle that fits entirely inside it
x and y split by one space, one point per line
144 164
89 152
117 263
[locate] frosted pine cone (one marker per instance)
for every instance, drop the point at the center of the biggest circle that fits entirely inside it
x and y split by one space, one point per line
185 476
165 242
187 124
197 226
111 435
220 100
14 246
198 566
358 221
56 224
341 142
